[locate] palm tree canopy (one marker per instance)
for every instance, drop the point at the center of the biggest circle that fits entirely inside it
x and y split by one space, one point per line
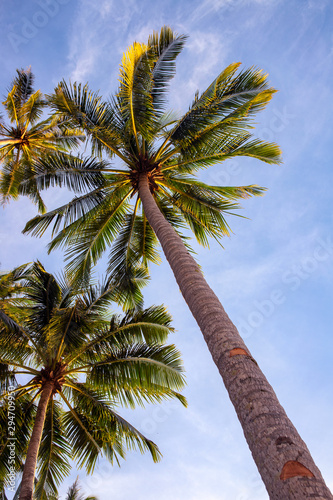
95 361
135 130
29 136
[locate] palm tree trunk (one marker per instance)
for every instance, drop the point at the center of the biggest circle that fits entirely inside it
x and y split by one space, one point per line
29 471
282 458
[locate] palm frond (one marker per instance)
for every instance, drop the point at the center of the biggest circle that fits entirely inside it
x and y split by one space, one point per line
167 46
134 95
24 82
131 252
151 326
85 109
114 434
140 367
226 94
42 289
68 215
98 232
75 173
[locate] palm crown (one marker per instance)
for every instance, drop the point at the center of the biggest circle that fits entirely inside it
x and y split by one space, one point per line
28 137
65 338
134 128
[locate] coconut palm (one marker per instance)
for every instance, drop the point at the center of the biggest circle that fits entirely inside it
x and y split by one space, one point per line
152 192
79 363
28 136
73 493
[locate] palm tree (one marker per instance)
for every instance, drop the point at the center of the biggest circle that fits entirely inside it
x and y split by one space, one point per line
79 363
153 193
28 137
73 493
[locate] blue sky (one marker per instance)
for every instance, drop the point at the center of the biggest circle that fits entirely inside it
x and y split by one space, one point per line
274 275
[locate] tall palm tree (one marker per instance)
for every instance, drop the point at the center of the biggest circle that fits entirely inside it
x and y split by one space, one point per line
79 363
152 193
28 136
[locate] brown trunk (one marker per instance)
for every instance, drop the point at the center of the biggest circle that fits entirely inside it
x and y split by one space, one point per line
282 458
29 471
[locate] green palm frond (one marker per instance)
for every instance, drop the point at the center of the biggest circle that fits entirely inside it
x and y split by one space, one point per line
14 347
68 215
135 242
86 109
114 434
22 91
23 81
10 287
138 366
80 435
134 99
54 452
75 173
225 95
43 293
98 232
150 326
167 46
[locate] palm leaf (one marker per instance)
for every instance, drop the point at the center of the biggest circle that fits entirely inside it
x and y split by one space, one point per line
167 47
113 433
85 108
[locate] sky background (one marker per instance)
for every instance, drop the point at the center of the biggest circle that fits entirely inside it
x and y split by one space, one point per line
274 275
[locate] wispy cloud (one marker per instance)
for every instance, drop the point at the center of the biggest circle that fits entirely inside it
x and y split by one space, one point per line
219 7
95 38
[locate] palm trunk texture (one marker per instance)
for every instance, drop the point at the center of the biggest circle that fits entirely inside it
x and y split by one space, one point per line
283 459
29 471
